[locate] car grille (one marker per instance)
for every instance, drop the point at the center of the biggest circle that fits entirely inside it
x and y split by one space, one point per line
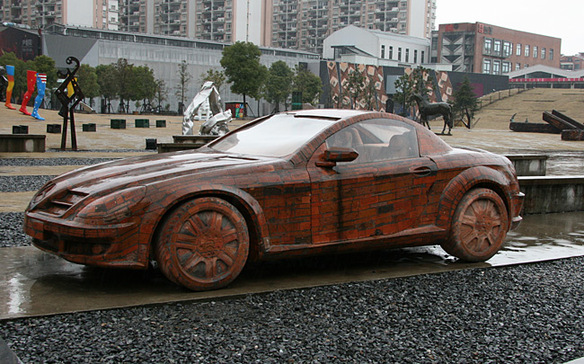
61 204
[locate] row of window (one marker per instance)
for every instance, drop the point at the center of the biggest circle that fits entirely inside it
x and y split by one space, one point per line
505 48
497 67
399 54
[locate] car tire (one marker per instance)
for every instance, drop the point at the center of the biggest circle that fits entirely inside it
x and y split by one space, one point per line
203 244
479 226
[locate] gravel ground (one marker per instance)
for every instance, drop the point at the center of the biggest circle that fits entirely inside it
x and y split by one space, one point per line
521 314
11 232
31 162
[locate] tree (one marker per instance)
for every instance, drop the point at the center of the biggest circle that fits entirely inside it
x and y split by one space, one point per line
241 62
217 77
408 84
355 85
278 84
465 102
309 84
123 72
161 93
143 85
88 81
108 85
184 77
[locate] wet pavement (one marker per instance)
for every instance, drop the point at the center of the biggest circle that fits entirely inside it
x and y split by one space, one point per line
38 283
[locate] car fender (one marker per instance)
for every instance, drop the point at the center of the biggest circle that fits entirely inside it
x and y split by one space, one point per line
242 200
464 182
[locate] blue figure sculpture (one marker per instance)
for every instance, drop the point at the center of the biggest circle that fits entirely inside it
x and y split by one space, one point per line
41 83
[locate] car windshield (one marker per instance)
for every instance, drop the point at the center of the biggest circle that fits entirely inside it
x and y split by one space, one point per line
277 136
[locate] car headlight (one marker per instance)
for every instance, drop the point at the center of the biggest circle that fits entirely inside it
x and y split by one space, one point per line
114 207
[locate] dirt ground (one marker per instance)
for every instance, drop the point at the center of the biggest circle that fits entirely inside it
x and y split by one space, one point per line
491 131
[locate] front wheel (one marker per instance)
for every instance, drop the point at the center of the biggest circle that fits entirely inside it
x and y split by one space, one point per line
203 244
479 226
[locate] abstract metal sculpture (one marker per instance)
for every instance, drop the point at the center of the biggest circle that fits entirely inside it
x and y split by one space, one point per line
10 76
68 102
429 109
207 105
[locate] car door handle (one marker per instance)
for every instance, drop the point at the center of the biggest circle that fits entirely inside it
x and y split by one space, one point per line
422 171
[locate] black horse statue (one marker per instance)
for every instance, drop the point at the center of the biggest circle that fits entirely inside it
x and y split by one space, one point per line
438 108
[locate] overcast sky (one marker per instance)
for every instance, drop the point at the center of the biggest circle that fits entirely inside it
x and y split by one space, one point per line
562 19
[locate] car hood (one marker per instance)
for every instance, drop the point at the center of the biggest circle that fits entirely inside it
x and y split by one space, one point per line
109 177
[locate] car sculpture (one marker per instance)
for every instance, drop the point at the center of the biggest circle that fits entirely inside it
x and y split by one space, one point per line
290 184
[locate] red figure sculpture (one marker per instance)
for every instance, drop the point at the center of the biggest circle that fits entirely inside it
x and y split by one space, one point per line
30 83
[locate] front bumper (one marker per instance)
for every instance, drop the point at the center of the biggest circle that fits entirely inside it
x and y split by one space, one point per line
115 245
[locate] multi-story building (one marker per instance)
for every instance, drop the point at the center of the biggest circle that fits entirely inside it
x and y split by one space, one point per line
100 14
572 63
489 49
305 24
297 24
352 44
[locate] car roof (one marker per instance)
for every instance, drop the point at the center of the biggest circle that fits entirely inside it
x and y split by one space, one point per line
330 113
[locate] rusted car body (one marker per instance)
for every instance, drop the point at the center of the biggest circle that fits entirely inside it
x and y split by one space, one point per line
294 183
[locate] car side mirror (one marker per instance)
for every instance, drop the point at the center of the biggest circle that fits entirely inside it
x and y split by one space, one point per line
332 156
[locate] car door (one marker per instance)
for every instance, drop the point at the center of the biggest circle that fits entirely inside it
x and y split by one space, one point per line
381 193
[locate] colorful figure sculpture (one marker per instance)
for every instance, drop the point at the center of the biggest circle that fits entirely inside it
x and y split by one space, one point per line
41 84
10 76
30 82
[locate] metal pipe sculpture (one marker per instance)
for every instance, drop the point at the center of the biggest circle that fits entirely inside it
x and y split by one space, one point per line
215 118
10 76
68 102
30 83
41 83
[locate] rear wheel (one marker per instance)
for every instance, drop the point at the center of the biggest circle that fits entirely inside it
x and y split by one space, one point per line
203 244
479 226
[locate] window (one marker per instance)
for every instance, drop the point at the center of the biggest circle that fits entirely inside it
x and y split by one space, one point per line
415 56
486 66
497 47
534 51
382 51
551 54
377 140
518 50
407 54
390 52
496 67
507 46
517 66
506 67
488 45
422 57
543 53
399 54
526 54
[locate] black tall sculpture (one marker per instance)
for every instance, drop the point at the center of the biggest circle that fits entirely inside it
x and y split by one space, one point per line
69 102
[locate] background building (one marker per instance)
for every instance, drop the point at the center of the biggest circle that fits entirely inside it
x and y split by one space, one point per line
485 48
573 63
297 24
352 44
100 14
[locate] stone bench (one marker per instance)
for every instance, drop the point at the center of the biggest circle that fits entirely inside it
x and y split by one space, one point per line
529 164
552 194
18 143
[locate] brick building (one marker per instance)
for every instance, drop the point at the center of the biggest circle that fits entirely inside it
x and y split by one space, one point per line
489 49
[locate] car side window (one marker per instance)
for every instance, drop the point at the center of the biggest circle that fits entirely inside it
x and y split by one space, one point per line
377 140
